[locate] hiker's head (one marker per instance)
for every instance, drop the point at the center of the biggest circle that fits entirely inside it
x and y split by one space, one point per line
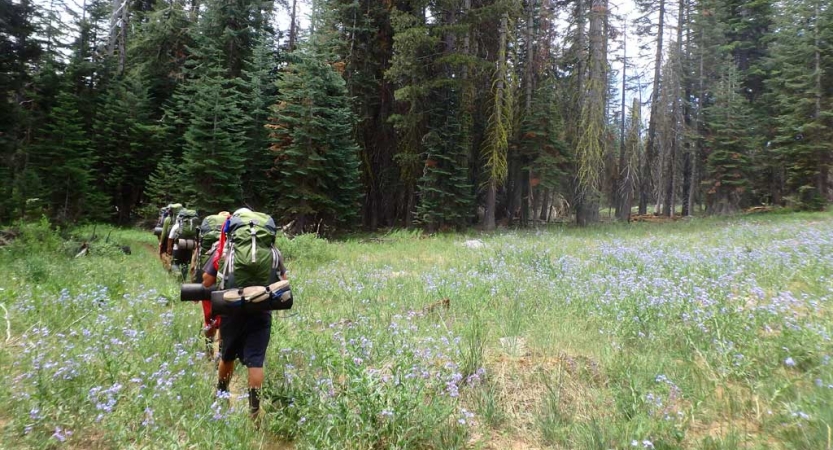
225 214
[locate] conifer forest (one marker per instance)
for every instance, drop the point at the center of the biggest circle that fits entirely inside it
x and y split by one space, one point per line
436 114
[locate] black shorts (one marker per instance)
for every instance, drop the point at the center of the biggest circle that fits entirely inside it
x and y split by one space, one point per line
245 337
182 256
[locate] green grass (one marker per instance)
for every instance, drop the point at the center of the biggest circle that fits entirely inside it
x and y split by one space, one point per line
703 334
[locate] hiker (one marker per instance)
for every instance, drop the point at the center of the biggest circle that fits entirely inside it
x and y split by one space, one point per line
245 336
209 237
167 223
182 241
157 229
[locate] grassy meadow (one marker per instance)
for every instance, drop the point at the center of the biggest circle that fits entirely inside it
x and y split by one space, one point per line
703 334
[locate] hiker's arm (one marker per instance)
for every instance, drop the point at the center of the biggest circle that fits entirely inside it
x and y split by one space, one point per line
209 271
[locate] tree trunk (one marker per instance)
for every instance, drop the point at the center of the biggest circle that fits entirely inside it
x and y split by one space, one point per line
623 200
125 16
489 215
697 152
647 183
824 158
678 134
529 86
293 30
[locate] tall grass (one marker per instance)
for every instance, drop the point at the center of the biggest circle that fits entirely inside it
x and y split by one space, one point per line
714 333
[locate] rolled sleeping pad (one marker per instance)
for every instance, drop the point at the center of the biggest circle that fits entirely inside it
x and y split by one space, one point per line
186 244
194 292
157 231
277 296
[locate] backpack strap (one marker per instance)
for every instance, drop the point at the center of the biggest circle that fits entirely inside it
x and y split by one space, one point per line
276 259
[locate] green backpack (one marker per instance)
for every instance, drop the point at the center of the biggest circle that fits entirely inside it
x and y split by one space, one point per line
188 224
210 230
252 258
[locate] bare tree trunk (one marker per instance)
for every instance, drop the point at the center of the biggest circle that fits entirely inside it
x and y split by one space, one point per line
123 36
701 94
529 86
293 30
824 158
489 213
647 183
588 206
677 134
623 198
489 216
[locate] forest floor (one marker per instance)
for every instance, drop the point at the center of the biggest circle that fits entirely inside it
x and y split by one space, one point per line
704 334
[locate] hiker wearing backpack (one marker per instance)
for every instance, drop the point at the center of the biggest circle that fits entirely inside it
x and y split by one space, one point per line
207 241
182 241
167 223
245 256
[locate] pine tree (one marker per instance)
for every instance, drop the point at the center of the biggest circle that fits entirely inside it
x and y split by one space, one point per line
165 185
729 142
259 93
123 138
18 51
215 139
803 67
315 174
64 156
445 194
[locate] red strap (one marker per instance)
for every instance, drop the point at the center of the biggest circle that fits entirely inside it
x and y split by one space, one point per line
222 245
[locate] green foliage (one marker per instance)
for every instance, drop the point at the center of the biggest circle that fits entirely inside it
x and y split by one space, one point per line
730 140
63 154
259 92
804 129
123 137
211 110
315 173
445 195
165 185
542 138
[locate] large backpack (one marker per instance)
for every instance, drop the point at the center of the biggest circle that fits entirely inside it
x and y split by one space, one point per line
251 258
210 230
189 223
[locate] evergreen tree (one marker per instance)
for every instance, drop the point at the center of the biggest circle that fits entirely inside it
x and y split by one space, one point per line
803 66
160 47
215 139
123 138
165 185
259 92
728 145
315 172
445 194
64 156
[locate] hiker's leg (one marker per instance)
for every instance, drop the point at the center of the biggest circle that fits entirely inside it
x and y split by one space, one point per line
255 384
225 370
255 377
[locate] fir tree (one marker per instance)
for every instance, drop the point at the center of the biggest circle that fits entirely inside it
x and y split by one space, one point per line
165 185
259 92
729 142
445 194
123 138
802 68
215 140
315 172
64 156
